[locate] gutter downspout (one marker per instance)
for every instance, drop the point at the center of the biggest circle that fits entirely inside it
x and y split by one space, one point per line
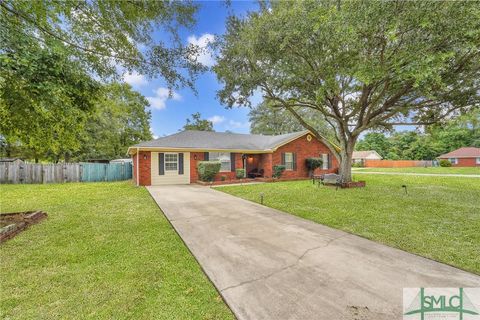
138 156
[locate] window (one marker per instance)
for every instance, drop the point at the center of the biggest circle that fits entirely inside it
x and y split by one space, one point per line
171 161
325 161
478 160
288 161
224 158
453 160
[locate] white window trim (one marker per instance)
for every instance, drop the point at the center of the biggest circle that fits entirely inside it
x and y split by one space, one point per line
165 162
289 164
478 160
325 161
210 158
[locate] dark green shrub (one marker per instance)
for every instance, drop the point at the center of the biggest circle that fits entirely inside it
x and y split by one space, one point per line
445 163
223 178
277 171
313 163
240 173
208 169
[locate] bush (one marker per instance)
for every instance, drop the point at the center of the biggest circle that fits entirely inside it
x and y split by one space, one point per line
240 173
208 169
445 163
313 163
223 178
357 165
277 171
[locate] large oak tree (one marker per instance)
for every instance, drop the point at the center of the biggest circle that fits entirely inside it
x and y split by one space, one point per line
361 64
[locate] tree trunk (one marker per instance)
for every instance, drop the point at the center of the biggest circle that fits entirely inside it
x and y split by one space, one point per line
346 154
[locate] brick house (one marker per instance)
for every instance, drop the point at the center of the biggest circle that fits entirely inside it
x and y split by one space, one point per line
173 159
463 157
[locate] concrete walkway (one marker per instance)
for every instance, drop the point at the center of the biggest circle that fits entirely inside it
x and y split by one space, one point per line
271 265
419 174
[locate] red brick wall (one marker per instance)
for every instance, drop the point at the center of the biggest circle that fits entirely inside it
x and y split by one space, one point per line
304 149
145 172
466 162
266 164
201 157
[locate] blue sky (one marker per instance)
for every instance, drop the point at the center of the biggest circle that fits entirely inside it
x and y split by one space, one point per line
169 114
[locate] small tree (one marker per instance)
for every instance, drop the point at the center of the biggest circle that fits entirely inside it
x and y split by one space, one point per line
312 164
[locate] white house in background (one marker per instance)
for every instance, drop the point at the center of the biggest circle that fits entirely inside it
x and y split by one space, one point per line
361 156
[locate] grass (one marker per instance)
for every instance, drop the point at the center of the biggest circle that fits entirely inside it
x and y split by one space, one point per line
105 252
438 170
439 218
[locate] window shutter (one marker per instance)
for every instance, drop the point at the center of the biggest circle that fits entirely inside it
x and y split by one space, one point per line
283 158
232 162
329 162
205 156
180 163
294 159
161 164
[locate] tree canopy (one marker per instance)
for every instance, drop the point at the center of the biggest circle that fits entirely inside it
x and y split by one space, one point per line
265 119
197 123
59 61
104 34
361 65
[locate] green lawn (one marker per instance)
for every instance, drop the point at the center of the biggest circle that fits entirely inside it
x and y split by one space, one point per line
439 218
105 252
439 170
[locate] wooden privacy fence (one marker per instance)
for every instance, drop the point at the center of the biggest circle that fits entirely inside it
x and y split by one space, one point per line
397 163
64 172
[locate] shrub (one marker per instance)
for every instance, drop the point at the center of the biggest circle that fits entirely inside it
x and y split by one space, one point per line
357 165
240 173
223 178
445 163
312 164
277 171
208 169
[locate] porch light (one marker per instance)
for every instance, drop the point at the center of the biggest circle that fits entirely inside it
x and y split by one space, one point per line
144 157
194 157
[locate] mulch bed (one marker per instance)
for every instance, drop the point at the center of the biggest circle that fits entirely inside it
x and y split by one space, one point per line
13 223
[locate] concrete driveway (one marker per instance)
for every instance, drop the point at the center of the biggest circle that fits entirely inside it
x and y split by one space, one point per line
271 265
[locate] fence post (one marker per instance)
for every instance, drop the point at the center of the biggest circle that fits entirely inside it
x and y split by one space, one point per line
21 173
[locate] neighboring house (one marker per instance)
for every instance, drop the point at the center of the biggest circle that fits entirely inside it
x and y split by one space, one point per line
361 156
12 160
173 159
463 157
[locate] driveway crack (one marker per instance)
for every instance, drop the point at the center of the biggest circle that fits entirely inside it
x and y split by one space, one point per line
286 267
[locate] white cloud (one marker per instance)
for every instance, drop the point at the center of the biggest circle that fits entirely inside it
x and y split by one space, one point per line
161 96
216 119
232 124
205 55
135 79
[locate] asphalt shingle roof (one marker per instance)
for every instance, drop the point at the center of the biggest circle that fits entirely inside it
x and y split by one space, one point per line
466 152
220 141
